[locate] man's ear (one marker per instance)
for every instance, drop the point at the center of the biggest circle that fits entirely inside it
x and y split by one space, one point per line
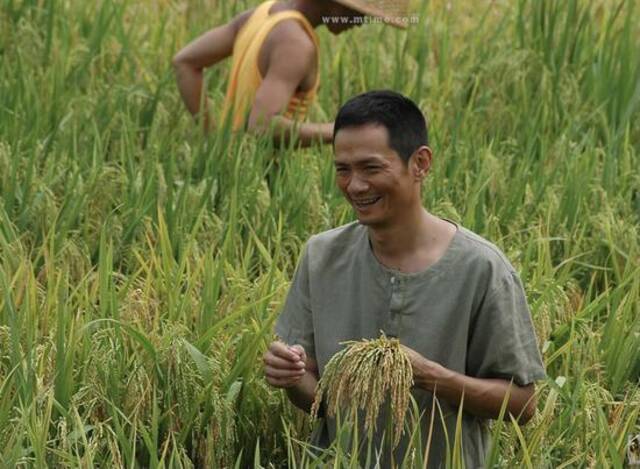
420 162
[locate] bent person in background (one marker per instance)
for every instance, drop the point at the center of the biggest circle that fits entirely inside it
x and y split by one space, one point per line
275 71
452 298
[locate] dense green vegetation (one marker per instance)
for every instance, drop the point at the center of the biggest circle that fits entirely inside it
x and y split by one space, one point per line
142 266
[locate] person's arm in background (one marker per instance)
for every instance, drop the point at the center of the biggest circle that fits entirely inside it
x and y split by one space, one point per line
289 368
205 51
290 62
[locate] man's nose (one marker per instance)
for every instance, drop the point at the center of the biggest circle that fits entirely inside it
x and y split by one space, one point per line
357 184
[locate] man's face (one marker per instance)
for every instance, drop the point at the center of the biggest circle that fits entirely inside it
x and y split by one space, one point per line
340 18
380 186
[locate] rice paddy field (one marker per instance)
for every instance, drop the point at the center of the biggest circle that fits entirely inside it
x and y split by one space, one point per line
142 266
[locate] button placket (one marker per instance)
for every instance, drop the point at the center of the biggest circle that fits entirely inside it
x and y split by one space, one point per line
395 307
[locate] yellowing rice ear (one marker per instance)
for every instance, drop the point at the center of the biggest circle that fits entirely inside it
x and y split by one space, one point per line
362 376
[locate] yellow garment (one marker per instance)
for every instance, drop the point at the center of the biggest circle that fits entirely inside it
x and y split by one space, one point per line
245 75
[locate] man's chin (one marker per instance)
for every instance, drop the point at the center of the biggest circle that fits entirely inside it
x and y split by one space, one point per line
367 221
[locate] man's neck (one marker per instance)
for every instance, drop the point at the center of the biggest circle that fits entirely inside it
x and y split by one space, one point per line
402 237
414 243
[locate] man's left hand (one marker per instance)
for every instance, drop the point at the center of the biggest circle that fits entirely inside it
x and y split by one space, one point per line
426 373
482 397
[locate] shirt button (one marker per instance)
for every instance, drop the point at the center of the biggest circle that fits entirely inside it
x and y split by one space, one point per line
393 280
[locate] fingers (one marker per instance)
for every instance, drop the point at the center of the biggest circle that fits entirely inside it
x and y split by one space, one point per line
283 377
312 366
411 354
273 361
283 382
284 365
299 349
283 372
282 350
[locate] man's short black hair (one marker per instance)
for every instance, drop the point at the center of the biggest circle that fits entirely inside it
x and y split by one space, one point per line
402 118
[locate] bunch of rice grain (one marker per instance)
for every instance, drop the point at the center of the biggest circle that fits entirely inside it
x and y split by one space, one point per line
363 375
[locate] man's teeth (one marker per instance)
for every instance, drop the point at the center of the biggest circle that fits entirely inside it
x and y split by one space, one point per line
367 201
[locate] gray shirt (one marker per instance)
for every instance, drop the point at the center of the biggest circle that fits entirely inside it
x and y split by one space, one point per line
467 311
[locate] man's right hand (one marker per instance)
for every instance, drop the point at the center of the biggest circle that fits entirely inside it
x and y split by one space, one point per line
284 365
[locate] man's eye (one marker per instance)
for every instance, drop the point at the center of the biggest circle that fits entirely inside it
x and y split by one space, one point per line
341 170
371 169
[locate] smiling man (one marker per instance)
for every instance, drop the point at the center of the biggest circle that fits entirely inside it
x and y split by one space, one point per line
275 71
451 297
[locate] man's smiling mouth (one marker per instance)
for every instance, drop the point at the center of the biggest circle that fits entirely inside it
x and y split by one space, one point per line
365 202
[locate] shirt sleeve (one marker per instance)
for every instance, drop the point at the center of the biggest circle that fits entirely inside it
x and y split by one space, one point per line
295 324
503 343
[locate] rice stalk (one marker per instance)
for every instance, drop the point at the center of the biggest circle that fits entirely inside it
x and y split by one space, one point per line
364 375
